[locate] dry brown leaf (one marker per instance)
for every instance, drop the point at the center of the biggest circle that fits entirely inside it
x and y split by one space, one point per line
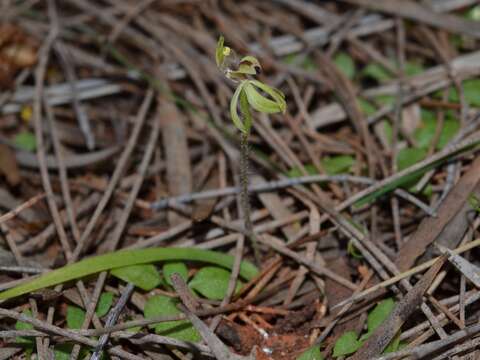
8 165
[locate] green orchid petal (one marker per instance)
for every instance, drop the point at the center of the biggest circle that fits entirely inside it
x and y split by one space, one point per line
219 55
261 103
234 108
221 52
277 95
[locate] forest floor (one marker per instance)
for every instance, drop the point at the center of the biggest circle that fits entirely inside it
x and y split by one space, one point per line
116 134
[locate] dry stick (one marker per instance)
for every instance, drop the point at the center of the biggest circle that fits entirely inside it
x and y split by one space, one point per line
112 319
279 184
117 174
422 351
216 346
69 334
232 283
27 204
397 118
404 275
82 117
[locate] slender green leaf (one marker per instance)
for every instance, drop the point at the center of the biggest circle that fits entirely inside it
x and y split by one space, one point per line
124 258
162 306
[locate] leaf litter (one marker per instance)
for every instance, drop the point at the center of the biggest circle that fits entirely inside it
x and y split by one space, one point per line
368 176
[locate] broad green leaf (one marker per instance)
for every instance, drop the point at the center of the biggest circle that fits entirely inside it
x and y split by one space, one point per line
145 277
312 353
376 72
104 304
234 108
346 64
25 140
337 164
379 314
174 267
161 305
211 282
122 258
296 172
346 344
75 317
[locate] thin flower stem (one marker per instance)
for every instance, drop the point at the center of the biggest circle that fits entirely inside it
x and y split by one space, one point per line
244 194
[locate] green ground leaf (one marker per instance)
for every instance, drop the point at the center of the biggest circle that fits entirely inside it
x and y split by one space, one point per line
346 64
75 317
338 164
104 304
174 267
312 353
26 342
25 140
145 277
211 282
124 258
295 172
161 305
413 68
379 314
471 91
426 131
366 107
346 344
376 72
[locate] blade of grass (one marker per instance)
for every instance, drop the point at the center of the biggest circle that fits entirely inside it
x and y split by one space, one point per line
124 258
